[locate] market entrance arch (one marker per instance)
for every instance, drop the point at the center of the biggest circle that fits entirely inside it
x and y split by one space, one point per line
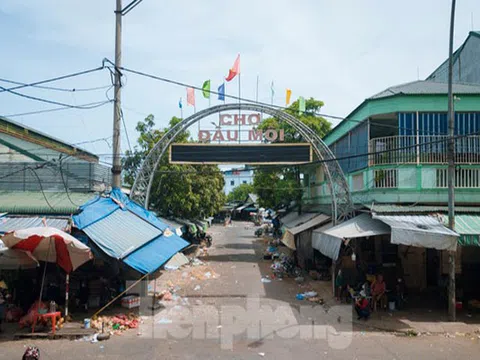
342 205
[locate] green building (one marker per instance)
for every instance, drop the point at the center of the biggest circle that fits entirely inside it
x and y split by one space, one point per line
393 151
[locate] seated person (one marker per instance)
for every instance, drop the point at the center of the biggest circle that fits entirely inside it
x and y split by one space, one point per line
362 308
378 292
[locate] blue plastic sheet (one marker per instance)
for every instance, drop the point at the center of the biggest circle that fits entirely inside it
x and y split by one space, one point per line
156 253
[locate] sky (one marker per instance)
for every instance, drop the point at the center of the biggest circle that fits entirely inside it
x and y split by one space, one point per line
340 52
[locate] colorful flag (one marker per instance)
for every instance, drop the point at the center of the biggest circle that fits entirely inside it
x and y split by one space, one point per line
191 96
180 105
289 95
301 105
206 89
221 92
235 70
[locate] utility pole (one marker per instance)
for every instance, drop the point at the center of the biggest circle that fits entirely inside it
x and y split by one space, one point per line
117 164
451 172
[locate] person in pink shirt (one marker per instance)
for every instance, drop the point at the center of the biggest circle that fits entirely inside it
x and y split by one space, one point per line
378 292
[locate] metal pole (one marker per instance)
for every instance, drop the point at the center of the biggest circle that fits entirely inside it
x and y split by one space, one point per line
239 111
451 172
117 165
67 290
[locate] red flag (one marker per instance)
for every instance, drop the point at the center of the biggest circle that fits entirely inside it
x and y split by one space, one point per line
191 96
235 70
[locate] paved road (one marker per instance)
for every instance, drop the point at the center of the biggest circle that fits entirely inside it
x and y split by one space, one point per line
237 316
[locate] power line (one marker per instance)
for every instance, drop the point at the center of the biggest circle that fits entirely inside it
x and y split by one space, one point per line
63 77
335 158
130 7
55 88
41 188
126 131
237 98
47 101
65 184
88 106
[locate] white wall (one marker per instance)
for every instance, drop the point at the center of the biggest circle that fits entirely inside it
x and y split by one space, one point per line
234 180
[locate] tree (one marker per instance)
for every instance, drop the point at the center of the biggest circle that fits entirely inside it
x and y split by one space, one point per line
310 118
240 193
275 186
189 191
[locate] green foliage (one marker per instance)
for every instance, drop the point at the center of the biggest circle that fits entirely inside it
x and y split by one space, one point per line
317 123
189 191
275 186
240 193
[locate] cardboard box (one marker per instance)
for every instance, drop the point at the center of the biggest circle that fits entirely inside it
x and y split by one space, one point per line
131 301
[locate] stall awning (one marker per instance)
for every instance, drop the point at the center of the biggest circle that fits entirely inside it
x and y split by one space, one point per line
244 206
420 230
316 221
329 241
294 219
154 254
295 223
468 227
175 226
125 231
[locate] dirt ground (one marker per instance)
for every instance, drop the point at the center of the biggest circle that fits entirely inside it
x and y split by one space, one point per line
221 308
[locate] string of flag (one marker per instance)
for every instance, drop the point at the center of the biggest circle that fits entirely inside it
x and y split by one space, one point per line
233 72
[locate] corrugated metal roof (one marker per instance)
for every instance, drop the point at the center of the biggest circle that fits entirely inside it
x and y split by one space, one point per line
173 224
425 87
417 209
121 232
316 221
33 202
468 226
8 223
293 219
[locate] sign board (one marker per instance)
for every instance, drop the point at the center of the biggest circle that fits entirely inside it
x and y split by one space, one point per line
259 154
231 127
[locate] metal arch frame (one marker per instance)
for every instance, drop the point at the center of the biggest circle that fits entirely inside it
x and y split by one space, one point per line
342 205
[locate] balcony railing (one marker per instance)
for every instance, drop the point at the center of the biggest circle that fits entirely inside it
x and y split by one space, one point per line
423 149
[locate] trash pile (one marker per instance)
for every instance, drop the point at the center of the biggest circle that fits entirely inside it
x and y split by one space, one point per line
116 324
310 296
284 265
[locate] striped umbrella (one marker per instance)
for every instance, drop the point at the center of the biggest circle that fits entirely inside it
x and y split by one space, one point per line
11 259
50 245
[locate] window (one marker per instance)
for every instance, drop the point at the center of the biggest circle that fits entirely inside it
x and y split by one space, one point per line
464 178
357 181
386 178
232 182
244 181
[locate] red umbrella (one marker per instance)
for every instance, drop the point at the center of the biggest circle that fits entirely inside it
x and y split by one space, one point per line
50 245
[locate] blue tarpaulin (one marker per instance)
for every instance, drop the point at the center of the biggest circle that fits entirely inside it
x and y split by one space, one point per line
93 211
163 247
126 231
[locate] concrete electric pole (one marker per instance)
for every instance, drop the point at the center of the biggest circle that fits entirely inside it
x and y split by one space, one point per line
451 172
117 161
